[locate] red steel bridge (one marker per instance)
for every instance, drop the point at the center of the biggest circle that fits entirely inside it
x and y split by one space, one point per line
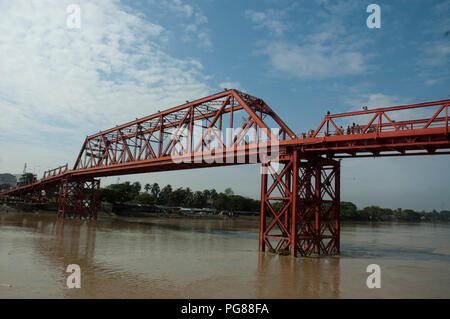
301 173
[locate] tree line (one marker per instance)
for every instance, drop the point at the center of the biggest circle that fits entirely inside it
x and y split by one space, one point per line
349 211
153 194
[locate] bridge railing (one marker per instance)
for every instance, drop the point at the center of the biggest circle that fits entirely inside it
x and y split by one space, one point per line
381 120
56 171
47 174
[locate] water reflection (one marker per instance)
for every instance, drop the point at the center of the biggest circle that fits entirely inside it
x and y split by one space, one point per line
298 277
74 238
74 241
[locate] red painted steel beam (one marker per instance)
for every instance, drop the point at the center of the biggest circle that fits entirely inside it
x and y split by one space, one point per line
389 109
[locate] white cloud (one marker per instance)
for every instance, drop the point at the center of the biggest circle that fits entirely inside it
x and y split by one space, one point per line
380 100
205 40
197 31
438 54
192 20
314 61
61 84
178 6
270 19
323 48
431 82
321 43
375 100
230 85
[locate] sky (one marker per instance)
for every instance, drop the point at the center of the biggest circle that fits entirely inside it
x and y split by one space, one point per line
129 59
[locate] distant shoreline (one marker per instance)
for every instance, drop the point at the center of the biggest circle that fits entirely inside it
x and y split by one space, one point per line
155 215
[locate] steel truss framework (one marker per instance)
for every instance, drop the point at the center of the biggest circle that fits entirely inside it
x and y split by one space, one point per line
78 198
221 123
306 219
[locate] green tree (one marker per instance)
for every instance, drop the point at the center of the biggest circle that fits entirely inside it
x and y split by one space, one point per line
155 191
221 202
136 187
212 197
199 199
165 195
27 178
107 195
228 191
144 198
178 197
444 215
120 193
188 198
411 216
349 211
376 213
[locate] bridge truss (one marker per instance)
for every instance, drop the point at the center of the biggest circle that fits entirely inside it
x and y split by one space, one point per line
300 175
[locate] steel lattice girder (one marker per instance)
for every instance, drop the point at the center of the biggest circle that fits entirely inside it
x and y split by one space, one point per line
419 129
306 191
172 132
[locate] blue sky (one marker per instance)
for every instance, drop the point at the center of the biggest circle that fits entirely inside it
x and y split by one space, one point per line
131 58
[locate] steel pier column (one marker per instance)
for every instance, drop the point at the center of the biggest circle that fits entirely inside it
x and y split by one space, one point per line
78 198
300 206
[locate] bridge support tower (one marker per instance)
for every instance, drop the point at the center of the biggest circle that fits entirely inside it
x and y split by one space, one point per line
78 198
300 206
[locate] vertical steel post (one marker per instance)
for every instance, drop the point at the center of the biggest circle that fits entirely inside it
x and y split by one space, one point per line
317 207
262 215
293 241
337 208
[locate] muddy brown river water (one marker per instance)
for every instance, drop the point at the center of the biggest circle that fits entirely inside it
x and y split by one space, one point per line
213 258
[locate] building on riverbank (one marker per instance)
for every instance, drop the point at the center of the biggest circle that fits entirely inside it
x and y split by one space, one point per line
8 179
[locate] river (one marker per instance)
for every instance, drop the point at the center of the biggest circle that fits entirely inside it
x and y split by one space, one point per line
213 258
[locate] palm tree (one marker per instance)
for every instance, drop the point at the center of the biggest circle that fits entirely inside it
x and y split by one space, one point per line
188 197
229 192
155 190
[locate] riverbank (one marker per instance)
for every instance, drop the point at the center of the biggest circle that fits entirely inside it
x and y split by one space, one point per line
50 209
